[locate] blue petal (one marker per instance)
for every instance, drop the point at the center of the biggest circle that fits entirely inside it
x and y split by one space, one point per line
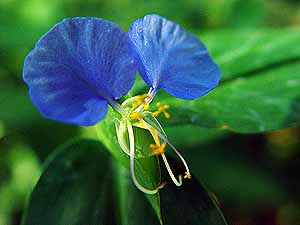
76 68
170 58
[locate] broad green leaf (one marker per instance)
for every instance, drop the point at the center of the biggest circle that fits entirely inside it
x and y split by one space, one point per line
245 52
269 100
189 204
75 188
78 186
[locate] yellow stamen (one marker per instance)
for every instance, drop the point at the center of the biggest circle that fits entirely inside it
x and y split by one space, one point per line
140 99
187 175
158 149
167 115
156 113
146 107
136 116
162 108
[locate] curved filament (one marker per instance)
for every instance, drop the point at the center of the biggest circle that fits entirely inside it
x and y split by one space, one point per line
156 134
165 139
177 183
132 172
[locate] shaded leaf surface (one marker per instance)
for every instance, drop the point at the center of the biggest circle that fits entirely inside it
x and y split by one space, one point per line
74 189
78 187
189 204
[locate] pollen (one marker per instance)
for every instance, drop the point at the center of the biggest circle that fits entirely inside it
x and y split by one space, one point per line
162 108
141 99
136 116
146 107
158 149
187 175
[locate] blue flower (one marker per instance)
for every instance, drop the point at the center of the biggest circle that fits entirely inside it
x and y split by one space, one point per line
172 59
77 68
82 65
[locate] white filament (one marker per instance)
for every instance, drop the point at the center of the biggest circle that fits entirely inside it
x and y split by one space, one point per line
132 152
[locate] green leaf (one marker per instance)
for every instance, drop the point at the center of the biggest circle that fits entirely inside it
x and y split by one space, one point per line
268 101
189 204
244 52
81 185
74 189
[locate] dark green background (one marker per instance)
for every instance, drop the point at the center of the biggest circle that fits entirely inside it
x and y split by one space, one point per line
254 176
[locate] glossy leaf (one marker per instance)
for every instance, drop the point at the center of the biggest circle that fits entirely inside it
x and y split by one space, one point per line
189 204
267 101
74 189
78 187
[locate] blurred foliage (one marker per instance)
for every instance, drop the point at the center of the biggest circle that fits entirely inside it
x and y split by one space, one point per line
254 176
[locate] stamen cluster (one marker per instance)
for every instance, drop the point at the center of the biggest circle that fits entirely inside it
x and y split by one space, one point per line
137 116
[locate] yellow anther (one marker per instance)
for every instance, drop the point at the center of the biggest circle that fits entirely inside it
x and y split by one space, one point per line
187 175
146 107
141 99
136 116
167 115
162 108
158 149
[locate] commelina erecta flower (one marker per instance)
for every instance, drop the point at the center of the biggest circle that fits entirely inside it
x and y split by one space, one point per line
82 65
